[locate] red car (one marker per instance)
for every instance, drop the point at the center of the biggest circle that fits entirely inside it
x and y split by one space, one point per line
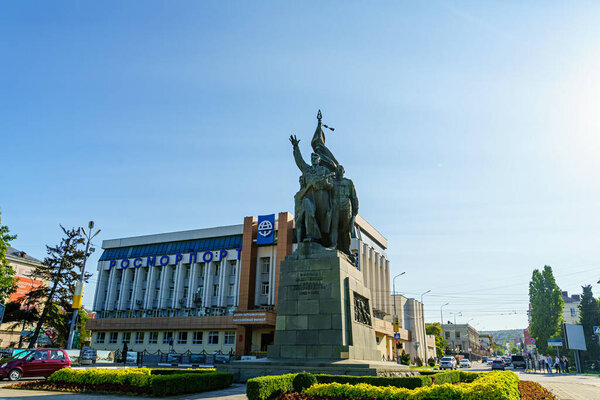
42 362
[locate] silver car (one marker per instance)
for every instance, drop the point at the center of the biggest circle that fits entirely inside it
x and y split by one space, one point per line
448 363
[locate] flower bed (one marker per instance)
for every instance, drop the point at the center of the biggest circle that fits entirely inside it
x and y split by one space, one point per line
132 381
534 391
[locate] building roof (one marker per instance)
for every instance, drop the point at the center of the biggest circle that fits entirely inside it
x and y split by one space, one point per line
19 255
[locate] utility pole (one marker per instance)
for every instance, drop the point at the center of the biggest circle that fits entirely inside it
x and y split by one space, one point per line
424 330
396 314
78 295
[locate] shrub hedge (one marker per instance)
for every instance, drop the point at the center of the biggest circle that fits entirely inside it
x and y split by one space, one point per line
408 382
162 383
169 385
493 385
267 387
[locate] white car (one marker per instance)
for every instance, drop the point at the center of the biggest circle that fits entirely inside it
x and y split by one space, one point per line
448 363
465 363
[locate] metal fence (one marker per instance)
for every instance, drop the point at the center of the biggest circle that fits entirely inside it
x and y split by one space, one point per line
172 357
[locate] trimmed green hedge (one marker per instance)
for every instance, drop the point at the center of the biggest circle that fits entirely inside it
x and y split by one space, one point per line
162 383
265 387
408 382
169 385
493 385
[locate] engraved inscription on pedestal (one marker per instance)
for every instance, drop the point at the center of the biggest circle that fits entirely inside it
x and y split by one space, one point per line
362 313
309 283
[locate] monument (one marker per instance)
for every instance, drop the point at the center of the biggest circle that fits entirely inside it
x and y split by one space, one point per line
324 318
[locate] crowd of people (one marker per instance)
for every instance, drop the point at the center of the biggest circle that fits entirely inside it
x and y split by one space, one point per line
549 364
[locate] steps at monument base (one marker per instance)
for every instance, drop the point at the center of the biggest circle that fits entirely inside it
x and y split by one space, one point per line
244 370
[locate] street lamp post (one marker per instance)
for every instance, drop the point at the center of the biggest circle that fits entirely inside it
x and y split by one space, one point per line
442 313
460 313
424 330
77 298
395 313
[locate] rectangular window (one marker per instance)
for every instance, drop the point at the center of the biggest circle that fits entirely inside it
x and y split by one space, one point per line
264 289
573 312
100 337
139 337
232 268
457 335
167 337
182 338
201 270
126 337
230 337
197 339
447 334
216 269
215 290
153 338
231 289
265 265
200 292
213 337
113 337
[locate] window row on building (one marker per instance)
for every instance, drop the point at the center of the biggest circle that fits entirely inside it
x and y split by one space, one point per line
167 337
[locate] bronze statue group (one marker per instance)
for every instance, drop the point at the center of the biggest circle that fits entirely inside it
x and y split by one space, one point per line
326 204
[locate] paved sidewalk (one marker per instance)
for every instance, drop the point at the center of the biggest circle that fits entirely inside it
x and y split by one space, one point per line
235 392
567 387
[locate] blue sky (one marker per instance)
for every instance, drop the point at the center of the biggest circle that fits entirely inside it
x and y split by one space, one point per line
469 128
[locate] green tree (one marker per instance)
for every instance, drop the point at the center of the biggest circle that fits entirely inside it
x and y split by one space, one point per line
62 268
589 316
546 307
7 274
440 343
14 313
60 320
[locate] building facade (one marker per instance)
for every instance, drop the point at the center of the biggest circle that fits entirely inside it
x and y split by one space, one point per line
214 290
411 327
462 339
571 308
24 266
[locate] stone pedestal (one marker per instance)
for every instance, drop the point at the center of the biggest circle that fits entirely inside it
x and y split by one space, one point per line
323 310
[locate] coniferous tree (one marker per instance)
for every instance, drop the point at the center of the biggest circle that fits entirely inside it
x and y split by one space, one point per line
545 299
7 274
61 268
589 316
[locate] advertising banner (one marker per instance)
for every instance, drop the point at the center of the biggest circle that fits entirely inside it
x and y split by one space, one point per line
266 229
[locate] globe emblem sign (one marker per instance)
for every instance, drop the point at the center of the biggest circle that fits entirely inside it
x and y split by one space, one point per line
265 228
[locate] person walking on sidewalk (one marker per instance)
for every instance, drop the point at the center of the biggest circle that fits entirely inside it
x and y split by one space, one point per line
557 365
549 363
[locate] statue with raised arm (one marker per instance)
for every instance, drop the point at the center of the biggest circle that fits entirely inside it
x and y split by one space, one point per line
314 197
326 204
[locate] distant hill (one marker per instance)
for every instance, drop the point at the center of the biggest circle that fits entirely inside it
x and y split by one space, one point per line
506 335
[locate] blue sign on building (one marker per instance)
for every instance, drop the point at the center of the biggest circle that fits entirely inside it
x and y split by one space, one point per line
266 229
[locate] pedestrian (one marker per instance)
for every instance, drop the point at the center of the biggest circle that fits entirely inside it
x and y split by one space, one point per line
542 361
557 365
566 361
562 364
549 363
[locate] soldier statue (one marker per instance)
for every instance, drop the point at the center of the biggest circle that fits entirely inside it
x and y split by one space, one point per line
326 204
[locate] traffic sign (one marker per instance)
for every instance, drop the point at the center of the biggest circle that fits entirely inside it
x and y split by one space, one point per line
531 341
396 336
597 330
555 342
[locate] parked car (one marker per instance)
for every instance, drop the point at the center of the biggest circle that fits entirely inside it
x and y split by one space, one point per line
42 362
507 362
448 363
518 361
490 361
498 364
465 363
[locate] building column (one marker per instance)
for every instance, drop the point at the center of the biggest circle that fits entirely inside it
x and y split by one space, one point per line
191 285
208 281
248 265
236 289
150 287
222 289
163 289
177 285
112 286
124 288
102 282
